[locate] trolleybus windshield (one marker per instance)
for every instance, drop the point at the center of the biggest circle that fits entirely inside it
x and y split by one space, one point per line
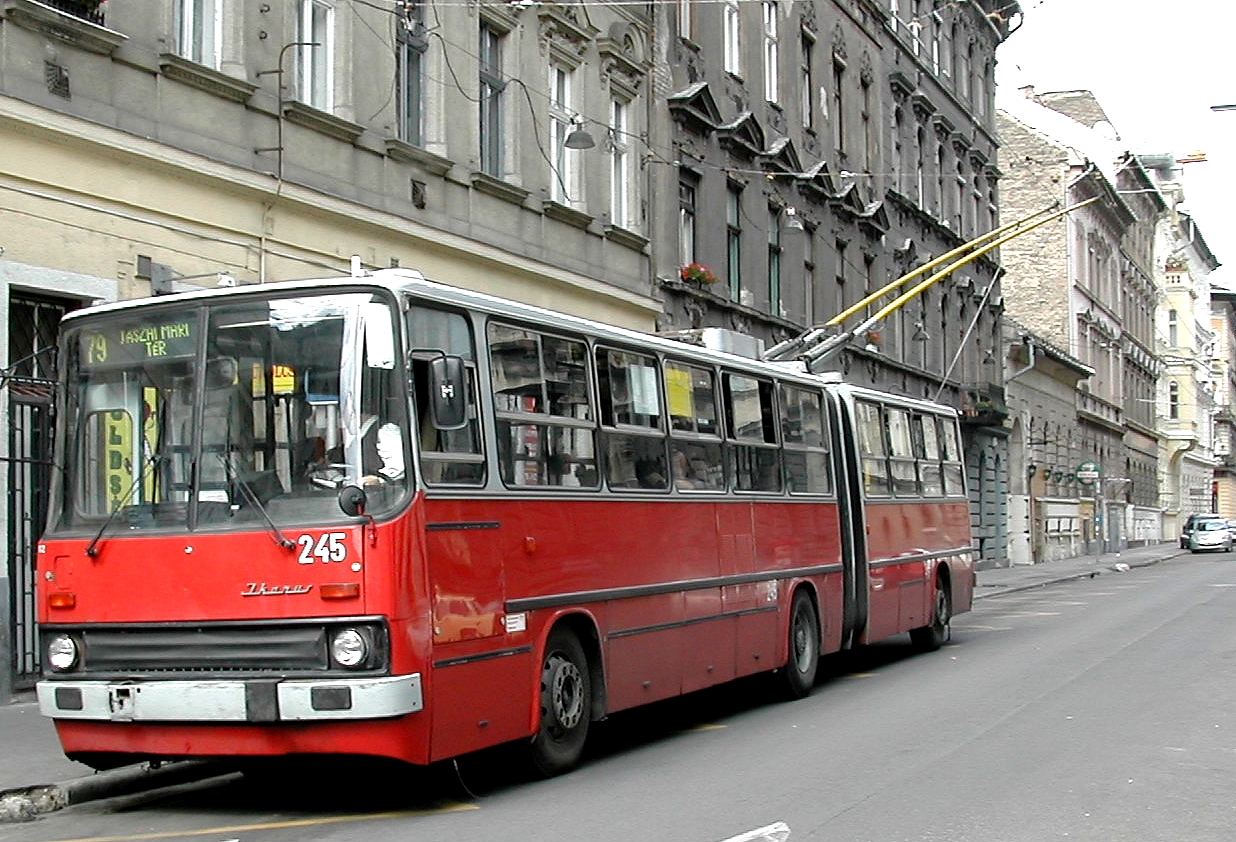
231 413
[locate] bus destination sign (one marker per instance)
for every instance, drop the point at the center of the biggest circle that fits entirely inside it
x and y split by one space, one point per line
170 339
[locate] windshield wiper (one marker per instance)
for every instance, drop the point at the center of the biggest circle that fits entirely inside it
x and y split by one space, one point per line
276 533
122 502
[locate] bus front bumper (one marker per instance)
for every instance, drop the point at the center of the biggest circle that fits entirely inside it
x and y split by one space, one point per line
253 700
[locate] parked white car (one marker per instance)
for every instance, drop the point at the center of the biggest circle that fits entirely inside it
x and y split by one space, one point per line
1210 534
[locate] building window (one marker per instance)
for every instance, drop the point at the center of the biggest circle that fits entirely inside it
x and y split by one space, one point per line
199 30
686 19
562 178
869 140
806 81
920 187
774 261
620 181
839 301
941 153
492 86
960 210
946 40
809 275
411 79
733 239
686 222
915 26
731 42
935 49
771 89
838 114
1173 400
963 73
1173 328
895 163
316 32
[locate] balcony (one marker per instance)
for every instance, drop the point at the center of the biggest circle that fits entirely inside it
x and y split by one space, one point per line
983 405
88 10
77 22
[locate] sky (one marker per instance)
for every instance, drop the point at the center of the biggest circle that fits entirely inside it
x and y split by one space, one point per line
1156 67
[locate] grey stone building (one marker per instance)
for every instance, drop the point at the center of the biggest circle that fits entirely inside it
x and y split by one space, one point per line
821 151
1041 382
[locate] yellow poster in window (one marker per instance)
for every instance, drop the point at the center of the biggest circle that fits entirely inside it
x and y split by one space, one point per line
678 388
117 457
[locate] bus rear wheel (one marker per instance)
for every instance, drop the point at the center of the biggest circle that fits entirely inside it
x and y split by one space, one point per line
566 696
932 636
798 674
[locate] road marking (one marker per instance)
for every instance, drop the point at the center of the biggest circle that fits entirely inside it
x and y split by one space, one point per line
776 832
448 807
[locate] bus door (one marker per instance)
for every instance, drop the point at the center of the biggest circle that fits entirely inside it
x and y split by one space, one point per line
851 519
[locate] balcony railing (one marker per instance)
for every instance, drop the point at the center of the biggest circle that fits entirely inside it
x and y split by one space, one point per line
89 10
983 404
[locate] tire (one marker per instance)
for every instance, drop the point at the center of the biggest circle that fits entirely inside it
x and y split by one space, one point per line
931 637
798 674
566 706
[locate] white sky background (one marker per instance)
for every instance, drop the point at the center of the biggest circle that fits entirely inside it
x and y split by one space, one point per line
1156 67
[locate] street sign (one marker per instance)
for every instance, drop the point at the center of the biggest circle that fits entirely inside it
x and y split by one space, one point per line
1088 473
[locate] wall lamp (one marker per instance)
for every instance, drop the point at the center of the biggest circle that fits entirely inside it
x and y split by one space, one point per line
1031 470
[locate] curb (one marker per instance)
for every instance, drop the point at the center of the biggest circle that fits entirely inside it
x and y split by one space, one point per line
1115 567
28 803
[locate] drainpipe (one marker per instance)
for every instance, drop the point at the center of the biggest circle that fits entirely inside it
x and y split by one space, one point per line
1030 352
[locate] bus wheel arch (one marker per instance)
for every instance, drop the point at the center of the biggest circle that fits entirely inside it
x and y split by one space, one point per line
803 642
570 696
936 633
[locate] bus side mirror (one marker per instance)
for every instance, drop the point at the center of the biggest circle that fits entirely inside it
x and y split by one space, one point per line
448 393
352 500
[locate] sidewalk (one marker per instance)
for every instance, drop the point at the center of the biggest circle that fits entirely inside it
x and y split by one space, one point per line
1025 576
36 777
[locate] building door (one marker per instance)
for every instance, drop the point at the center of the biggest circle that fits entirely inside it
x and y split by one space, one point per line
27 387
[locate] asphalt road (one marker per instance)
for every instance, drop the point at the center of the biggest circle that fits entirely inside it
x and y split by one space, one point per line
1098 709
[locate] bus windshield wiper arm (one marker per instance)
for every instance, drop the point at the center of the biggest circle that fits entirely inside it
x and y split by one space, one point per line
121 503
277 533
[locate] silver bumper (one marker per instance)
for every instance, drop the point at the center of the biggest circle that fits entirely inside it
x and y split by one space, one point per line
232 701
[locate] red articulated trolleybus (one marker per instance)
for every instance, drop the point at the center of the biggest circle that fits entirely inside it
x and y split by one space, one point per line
382 516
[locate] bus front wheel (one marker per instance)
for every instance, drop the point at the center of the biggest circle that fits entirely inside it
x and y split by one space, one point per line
566 694
931 637
798 675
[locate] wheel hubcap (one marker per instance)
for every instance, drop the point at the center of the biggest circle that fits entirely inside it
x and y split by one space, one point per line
565 694
942 617
802 642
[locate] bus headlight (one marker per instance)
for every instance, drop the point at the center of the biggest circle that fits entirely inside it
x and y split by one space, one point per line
62 653
350 648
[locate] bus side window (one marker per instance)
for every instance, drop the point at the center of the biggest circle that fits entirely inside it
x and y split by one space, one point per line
901 453
455 456
871 448
929 467
954 472
696 459
544 416
632 415
755 459
807 467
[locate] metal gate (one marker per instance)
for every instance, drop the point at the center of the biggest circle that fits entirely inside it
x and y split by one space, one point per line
28 390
